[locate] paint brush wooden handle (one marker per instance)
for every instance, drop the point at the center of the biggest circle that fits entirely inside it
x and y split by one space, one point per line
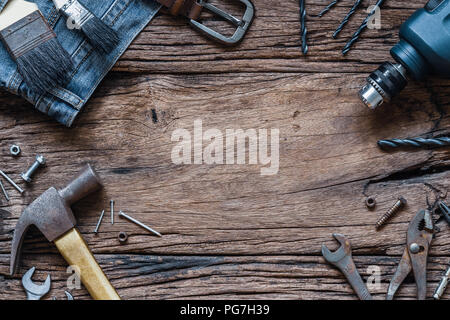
76 252
16 10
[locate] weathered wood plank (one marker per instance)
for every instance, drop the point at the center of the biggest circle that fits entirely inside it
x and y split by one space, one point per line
225 277
226 225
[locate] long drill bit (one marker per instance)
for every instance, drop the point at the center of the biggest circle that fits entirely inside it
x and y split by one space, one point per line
304 30
347 18
361 28
327 8
415 143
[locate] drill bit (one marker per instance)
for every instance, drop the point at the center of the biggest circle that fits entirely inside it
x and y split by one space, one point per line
304 30
2 187
361 28
328 8
347 18
415 143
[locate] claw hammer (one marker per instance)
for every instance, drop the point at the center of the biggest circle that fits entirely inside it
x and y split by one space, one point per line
52 215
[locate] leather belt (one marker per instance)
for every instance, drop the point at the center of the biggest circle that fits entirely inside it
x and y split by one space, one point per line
191 9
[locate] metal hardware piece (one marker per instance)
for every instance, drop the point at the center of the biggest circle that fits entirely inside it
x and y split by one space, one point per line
123 237
14 150
444 211
327 8
11 182
2 187
40 160
303 29
361 28
111 203
370 202
401 202
34 291
442 285
342 259
99 221
123 215
242 25
347 18
415 255
415 143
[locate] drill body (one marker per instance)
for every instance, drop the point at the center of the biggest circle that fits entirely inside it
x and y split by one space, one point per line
423 49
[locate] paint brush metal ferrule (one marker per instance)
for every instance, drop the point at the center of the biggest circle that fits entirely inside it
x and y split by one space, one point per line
74 11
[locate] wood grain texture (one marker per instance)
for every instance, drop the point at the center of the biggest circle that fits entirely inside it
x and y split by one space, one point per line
225 226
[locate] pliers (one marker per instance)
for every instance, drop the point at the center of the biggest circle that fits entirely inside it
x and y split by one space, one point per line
418 240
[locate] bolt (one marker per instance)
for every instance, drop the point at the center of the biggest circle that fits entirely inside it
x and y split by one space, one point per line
370 202
123 237
401 202
40 160
442 285
14 150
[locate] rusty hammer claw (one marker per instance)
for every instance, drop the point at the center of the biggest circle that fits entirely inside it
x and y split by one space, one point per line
342 259
34 291
52 215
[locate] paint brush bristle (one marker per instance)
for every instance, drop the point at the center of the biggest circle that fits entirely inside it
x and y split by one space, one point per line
40 58
99 34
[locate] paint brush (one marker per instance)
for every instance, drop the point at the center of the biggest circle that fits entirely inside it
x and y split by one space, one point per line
32 44
101 36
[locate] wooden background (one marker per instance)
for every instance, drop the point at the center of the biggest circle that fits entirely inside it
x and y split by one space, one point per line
229 232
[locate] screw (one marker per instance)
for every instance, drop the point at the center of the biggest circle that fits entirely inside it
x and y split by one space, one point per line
14 150
370 202
40 160
123 237
123 215
401 202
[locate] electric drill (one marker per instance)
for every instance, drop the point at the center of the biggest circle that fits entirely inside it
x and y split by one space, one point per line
423 49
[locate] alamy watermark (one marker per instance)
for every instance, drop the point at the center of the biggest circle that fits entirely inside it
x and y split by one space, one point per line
375 19
228 147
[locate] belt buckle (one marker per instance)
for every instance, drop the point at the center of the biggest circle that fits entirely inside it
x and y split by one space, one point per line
241 25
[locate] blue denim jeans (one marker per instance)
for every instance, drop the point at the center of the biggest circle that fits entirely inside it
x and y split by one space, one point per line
127 17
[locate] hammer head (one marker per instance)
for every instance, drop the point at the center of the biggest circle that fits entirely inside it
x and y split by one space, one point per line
51 212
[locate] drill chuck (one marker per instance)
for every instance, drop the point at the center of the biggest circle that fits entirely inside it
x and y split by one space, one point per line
383 84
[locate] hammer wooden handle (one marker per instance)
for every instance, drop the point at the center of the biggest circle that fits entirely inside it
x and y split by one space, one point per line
76 252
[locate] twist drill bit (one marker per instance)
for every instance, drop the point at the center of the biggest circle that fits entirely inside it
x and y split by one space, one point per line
304 30
361 28
327 8
415 143
347 18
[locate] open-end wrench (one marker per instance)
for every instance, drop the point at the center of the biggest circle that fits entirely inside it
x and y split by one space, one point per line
34 291
342 259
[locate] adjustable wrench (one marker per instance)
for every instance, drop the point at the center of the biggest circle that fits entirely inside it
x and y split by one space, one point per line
342 259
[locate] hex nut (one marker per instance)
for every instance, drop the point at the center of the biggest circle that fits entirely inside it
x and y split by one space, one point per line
370 202
14 150
123 237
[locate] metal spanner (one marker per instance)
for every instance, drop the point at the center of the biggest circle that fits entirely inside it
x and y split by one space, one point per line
342 259
34 291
